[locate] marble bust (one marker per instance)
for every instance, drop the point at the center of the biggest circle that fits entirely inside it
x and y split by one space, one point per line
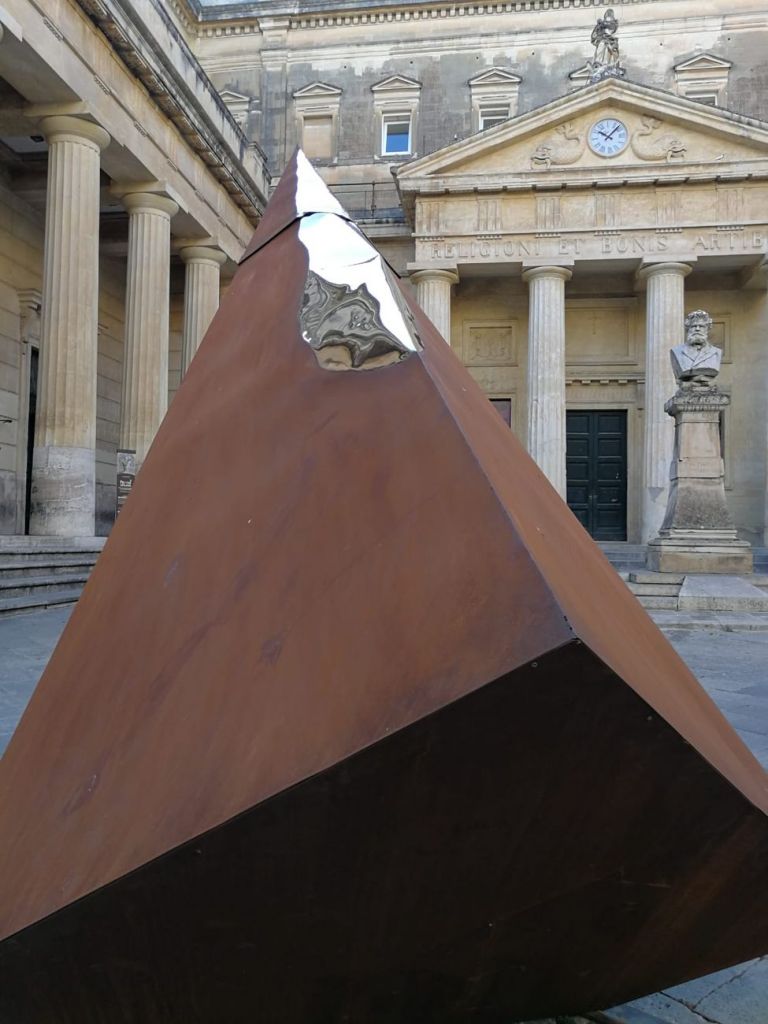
696 361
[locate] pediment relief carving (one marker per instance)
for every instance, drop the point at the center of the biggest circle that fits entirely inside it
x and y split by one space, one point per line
564 146
661 129
651 139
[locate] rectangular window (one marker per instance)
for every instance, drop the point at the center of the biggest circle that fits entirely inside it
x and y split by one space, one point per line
317 137
491 116
396 131
710 98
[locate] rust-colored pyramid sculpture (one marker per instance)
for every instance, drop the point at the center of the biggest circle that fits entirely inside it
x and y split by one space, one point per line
353 721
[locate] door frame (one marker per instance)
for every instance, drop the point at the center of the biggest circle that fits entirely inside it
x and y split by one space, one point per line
597 402
30 304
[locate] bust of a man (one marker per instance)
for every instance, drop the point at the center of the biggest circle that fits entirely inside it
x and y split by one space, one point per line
696 360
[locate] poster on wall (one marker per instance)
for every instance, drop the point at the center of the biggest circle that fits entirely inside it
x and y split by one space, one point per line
126 474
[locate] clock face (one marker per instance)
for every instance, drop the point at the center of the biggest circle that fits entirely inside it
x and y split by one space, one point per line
608 137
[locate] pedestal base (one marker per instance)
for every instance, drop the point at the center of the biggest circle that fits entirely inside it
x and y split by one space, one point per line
700 553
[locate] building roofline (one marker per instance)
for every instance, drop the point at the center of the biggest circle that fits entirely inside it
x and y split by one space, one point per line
238 10
191 110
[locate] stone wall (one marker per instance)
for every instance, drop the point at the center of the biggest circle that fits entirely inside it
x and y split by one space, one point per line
443 48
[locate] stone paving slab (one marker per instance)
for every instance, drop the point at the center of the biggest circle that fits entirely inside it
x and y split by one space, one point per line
732 665
738 995
708 592
727 622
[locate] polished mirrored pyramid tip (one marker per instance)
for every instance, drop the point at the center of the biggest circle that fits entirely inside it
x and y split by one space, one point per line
352 314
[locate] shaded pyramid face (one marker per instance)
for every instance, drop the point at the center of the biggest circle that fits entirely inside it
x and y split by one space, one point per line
353 721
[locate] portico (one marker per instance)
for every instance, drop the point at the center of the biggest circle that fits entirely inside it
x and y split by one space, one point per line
121 206
575 271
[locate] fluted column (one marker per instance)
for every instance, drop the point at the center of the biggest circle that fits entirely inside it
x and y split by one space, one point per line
63 463
546 370
145 373
433 294
201 296
665 312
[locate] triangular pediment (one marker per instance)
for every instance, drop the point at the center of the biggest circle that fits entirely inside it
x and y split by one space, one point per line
582 74
495 76
396 83
667 137
704 62
230 96
320 90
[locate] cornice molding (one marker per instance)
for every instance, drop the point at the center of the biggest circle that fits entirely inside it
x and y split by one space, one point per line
139 53
238 18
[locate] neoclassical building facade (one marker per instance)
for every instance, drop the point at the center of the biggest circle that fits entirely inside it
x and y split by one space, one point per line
466 138
556 230
126 189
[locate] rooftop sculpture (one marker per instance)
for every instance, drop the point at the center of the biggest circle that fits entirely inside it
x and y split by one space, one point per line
605 62
305 754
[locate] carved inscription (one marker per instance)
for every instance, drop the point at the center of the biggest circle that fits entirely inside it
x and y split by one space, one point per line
595 244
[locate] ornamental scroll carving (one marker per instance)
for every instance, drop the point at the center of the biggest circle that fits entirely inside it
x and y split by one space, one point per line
652 143
564 147
344 329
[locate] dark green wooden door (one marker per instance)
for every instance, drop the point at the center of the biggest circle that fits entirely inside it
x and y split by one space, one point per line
596 464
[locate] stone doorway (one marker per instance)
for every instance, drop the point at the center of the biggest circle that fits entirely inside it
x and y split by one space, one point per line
31 414
596 471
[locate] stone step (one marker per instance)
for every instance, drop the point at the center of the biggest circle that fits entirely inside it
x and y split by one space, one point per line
12 567
26 585
654 589
715 593
664 578
759 580
26 545
37 602
662 602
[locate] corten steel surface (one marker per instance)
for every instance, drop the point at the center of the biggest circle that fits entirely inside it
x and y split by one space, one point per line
354 722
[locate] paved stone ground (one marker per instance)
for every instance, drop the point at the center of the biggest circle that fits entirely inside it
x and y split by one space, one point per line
733 667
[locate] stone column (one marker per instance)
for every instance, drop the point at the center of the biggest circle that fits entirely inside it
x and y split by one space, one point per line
433 294
665 312
145 371
63 464
201 296
546 370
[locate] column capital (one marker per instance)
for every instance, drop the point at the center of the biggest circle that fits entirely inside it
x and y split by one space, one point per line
445 272
149 202
63 127
202 254
543 270
653 269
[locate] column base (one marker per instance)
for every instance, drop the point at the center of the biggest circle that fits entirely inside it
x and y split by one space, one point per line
689 551
63 492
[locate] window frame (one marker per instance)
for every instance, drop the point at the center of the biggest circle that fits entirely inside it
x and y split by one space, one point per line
483 114
389 117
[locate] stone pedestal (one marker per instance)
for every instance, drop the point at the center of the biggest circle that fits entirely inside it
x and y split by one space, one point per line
698 534
546 371
63 462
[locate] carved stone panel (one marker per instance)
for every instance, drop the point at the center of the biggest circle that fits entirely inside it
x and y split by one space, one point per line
598 332
490 343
